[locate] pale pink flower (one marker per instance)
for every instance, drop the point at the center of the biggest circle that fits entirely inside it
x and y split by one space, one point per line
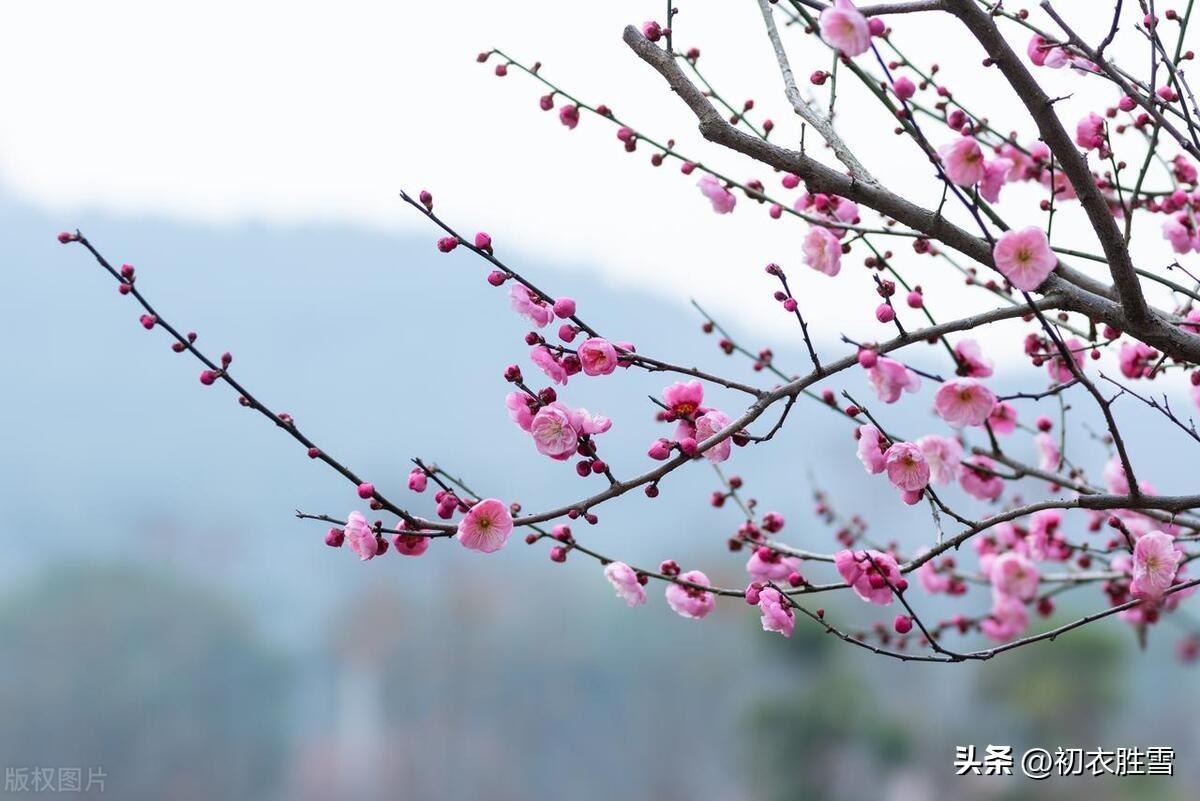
1045 540
552 367
944 457
1024 257
530 306
995 174
624 580
980 483
963 161
1181 234
1003 418
906 467
361 536
1049 456
684 398
1155 561
1059 369
1007 620
890 378
1115 476
553 433
597 356
1089 132
519 410
931 580
721 198
776 612
585 423
1136 359
1185 171
971 357
688 601
844 27
1045 53
707 425
870 449
865 578
964 402
767 565
486 526
822 250
1014 575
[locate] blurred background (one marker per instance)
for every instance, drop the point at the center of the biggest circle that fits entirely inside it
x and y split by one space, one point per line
169 629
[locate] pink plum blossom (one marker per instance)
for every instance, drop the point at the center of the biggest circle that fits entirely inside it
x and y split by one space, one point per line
870 449
707 425
931 580
1115 476
944 457
597 356
776 612
1059 369
822 250
1155 561
963 161
530 306
721 198
980 483
865 578
519 410
1049 456
1014 575
486 526
553 433
549 364
971 358
1136 359
1089 132
906 467
624 580
890 378
569 116
1181 233
995 174
844 27
964 402
1024 257
408 544
765 564
684 397
1007 620
1003 418
688 601
361 536
1045 53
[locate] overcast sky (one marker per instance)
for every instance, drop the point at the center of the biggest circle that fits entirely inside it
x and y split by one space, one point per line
302 111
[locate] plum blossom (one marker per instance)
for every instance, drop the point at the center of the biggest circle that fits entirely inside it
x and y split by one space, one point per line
361 536
1024 257
822 250
844 27
553 434
944 457
521 408
486 526
963 161
768 565
1057 366
1003 418
995 174
1045 53
1181 232
1136 359
865 578
721 198
776 612
971 359
597 356
1155 561
870 449
569 116
529 305
684 397
1007 620
624 580
890 378
931 580
1089 132
1014 575
690 602
979 482
964 402
1049 456
707 425
906 467
409 544
1115 476
553 367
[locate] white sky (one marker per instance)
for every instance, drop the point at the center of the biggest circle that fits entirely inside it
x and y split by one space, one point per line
302 111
